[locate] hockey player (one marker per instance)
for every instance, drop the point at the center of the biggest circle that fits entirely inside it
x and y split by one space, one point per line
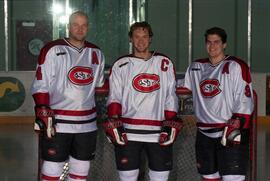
223 103
67 73
142 107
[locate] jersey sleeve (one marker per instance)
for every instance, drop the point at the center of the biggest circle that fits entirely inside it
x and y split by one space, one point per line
115 92
242 95
44 74
171 102
187 80
100 75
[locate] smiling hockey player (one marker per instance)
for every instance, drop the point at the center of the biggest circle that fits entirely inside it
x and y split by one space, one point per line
142 107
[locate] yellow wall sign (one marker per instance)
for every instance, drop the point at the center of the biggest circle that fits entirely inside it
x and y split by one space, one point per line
12 94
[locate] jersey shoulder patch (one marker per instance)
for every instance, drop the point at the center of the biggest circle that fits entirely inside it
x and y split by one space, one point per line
47 47
90 45
202 60
161 54
244 67
122 61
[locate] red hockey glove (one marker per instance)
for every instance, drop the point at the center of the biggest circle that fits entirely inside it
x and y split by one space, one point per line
169 131
115 131
44 120
231 134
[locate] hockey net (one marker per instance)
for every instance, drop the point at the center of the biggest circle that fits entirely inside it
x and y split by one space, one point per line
103 166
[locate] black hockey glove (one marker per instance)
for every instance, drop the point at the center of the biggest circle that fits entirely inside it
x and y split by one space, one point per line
232 132
115 131
45 121
169 131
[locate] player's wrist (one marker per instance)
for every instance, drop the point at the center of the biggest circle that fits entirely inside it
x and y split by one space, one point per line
175 123
42 110
115 116
235 118
45 121
169 131
232 131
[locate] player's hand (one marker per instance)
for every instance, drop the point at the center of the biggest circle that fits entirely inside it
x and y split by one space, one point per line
45 121
169 131
231 134
115 131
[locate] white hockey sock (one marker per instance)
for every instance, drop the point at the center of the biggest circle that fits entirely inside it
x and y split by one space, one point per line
233 178
130 175
51 170
158 175
214 177
78 169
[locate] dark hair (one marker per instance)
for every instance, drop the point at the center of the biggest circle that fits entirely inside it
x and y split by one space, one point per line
216 31
143 25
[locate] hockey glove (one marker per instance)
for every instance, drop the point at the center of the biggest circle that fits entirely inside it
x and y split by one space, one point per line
45 121
169 131
232 134
115 131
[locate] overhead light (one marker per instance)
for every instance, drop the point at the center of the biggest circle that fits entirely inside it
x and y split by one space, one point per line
68 11
63 19
57 9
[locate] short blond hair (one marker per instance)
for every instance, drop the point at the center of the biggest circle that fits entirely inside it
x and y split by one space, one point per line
76 13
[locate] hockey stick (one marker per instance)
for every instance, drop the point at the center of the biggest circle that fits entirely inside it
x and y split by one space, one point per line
39 156
50 131
64 174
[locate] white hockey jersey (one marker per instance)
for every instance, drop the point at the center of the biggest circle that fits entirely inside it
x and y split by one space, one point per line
142 92
65 80
219 92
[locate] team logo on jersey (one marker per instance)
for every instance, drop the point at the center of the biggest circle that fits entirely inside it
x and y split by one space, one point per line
210 87
146 82
81 75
